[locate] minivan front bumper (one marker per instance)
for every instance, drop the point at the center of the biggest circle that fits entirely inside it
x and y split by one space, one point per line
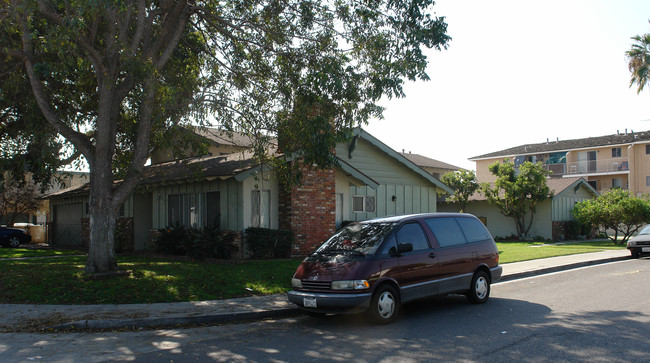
495 273
334 303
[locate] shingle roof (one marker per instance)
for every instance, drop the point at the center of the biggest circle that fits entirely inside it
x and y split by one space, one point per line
184 170
200 167
423 161
222 137
565 145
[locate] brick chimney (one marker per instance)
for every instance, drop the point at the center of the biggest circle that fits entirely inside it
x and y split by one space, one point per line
309 210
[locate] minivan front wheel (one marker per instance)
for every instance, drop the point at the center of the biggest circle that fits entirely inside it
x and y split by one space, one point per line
479 291
384 306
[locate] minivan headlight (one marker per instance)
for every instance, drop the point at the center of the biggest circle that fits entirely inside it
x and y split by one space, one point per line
350 285
296 283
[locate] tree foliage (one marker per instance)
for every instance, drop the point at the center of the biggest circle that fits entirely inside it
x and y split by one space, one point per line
464 185
517 191
18 199
110 77
616 210
638 58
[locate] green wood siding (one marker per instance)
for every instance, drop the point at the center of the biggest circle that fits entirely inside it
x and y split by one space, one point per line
377 165
409 199
565 201
230 195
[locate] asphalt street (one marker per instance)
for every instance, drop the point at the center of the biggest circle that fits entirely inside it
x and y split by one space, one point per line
596 313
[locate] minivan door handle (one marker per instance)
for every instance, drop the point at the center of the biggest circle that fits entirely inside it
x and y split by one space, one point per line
432 255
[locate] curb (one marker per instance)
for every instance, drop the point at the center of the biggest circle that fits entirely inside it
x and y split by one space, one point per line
113 324
571 266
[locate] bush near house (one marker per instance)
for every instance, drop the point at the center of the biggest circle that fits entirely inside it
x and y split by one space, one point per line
208 242
269 243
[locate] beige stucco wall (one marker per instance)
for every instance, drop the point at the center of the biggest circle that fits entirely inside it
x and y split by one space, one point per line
639 168
502 226
483 174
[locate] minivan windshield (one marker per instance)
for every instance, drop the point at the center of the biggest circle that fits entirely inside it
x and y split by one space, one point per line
645 230
361 238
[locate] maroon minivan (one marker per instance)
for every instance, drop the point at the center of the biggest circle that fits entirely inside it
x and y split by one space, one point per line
377 265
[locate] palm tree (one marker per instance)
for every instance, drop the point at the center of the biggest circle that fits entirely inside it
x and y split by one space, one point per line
639 61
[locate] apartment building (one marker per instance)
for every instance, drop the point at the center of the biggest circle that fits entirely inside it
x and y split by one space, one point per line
621 160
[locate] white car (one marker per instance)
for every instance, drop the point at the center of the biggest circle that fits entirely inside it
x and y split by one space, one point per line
640 244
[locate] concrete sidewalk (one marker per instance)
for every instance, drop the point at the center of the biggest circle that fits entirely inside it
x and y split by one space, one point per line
21 317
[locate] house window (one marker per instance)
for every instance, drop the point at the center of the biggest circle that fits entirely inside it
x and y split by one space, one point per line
261 208
617 183
183 209
363 204
616 152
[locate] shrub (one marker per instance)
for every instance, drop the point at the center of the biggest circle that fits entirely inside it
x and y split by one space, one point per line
209 242
269 243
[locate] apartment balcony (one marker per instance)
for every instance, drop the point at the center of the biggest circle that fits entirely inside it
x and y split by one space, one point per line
604 167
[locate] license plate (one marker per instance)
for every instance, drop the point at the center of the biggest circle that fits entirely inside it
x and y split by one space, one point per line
645 249
309 302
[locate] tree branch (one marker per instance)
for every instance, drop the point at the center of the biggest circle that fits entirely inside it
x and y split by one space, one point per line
81 141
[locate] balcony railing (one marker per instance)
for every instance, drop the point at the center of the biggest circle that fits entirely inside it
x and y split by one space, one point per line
612 166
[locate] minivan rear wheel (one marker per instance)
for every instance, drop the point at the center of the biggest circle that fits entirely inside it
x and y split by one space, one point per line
479 290
384 306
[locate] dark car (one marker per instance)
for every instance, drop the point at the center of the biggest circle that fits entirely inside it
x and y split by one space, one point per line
375 266
640 244
13 237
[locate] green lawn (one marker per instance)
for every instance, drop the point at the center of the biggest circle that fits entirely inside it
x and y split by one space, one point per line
27 252
60 280
524 251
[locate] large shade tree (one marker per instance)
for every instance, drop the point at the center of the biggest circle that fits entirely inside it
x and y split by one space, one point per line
109 77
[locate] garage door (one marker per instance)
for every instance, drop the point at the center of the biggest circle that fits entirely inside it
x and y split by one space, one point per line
67 225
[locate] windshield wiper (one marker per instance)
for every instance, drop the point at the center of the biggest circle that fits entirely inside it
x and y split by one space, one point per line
342 251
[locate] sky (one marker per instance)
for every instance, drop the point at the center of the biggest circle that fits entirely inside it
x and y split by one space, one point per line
520 72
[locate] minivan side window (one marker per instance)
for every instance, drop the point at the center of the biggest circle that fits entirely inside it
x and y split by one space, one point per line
413 233
474 230
447 231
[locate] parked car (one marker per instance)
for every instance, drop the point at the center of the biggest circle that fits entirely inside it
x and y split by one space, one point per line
640 244
13 237
377 265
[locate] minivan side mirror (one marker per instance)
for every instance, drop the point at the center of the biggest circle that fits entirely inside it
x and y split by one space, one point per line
404 247
401 248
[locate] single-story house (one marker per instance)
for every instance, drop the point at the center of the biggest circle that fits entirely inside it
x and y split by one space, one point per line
227 187
551 217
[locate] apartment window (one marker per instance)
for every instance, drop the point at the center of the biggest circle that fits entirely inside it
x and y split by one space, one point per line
361 204
261 208
616 152
647 149
617 183
647 181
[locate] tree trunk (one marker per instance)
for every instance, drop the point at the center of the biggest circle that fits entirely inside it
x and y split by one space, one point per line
103 213
101 252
